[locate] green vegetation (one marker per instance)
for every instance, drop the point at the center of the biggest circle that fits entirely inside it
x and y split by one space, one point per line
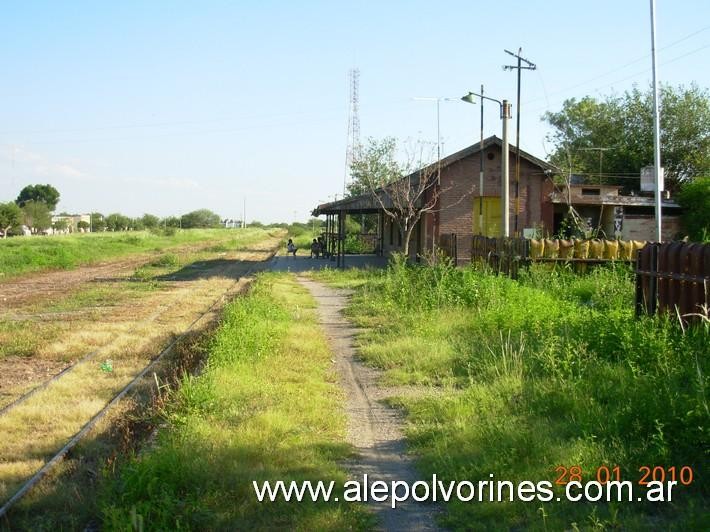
264 408
23 255
552 370
10 216
200 218
302 233
36 215
694 197
624 125
46 194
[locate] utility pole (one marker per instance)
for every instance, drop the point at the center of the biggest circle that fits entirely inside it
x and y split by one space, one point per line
601 154
505 166
657 170
438 100
519 67
480 174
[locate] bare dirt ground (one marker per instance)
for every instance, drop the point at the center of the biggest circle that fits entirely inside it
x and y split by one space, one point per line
127 325
41 286
374 428
71 335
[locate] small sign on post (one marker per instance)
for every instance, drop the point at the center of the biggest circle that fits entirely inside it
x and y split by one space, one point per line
648 179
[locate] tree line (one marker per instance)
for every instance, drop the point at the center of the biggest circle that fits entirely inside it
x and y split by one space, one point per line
33 209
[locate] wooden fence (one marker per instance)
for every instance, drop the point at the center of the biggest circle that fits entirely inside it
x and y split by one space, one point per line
508 255
674 277
503 255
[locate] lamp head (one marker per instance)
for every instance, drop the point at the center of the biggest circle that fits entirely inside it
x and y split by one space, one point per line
469 98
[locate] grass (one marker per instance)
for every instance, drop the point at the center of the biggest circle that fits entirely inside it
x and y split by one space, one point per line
131 326
551 370
22 255
264 408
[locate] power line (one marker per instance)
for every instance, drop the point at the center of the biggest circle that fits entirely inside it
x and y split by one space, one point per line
630 76
625 65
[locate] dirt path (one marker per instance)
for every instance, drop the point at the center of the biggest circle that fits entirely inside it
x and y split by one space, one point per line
54 284
373 428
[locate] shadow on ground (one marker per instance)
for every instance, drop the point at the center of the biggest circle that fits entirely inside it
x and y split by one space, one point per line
208 269
304 263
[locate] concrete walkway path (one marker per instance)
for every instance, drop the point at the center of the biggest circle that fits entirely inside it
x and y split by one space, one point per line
373 428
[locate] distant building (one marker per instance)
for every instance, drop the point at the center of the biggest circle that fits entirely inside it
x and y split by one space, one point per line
629 217
231 224
72 221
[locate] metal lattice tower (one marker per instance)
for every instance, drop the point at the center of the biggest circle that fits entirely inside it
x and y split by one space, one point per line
354 147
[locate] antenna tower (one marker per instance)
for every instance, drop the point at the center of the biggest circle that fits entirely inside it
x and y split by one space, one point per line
354 147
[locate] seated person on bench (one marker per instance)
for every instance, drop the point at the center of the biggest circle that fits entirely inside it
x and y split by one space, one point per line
315 249
290 247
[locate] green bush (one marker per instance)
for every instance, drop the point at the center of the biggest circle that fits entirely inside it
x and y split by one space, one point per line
694 197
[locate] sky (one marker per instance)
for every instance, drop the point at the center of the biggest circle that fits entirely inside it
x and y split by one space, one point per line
167 107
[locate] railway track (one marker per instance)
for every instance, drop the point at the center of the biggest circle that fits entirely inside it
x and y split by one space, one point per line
59 456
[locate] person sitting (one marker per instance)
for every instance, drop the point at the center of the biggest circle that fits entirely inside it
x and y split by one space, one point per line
291 247
323 250
315 249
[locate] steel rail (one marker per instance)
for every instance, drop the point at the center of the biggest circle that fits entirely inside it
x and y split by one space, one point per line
59 456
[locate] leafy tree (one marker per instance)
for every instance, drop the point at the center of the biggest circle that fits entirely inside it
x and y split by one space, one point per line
83 225
200 218
97 222
623 125
117 222
694 197
135 224
171 221
36 215
377 164
46 194
60 225
149 221
10 216
405 192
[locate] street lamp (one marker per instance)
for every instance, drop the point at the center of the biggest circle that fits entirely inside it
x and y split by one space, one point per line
505 192
438 100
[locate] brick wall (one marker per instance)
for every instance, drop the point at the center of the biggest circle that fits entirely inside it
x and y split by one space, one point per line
460 180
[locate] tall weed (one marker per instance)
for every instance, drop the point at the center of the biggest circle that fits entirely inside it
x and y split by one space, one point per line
551 369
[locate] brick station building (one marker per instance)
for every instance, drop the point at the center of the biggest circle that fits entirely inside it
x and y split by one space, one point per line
458 205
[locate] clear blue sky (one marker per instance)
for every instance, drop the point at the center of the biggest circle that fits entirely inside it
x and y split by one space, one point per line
166 107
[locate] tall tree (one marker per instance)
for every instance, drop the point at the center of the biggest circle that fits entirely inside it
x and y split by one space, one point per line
623 127
149 221
97 222
10 216
36 215
200 218
47 194
377 164
404 191
117 222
